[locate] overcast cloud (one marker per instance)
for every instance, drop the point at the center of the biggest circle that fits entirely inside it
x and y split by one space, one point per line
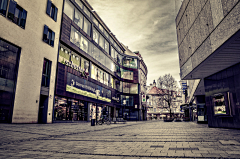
147 26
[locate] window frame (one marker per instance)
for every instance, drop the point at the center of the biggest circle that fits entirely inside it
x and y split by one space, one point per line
52 10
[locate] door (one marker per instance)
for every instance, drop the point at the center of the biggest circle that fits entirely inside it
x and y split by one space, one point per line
43 107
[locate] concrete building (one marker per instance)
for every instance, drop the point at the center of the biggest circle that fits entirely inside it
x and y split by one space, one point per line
208 42
29 39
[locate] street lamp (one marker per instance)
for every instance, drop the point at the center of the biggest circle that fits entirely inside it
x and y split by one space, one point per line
124 103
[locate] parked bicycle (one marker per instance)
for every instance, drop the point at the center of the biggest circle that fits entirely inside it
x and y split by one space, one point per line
104 120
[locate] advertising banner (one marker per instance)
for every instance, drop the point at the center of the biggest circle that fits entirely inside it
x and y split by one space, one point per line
86 88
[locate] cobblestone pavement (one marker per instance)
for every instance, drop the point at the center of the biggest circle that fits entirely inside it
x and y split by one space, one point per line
145 139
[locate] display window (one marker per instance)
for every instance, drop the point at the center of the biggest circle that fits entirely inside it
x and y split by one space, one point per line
221 104
69 109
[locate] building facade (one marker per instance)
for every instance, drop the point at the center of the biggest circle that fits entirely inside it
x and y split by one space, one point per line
208 33
60 62
157 108
95 75
28 49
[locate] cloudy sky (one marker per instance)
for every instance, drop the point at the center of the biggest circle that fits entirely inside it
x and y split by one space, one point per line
147 26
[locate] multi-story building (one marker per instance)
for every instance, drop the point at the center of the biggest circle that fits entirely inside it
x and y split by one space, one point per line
95 74
158 108
28 58
208 33
60 62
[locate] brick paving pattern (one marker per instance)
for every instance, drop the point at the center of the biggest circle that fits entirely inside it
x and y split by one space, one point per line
133 140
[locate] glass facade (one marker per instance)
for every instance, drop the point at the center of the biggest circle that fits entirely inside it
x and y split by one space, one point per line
109 67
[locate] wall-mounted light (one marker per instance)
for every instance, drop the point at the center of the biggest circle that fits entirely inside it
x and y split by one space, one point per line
66 51
62 49
93 10
73 56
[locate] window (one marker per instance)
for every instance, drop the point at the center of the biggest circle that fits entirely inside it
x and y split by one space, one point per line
130 62
63 54
128 99
52 10
78 19
17 14
112 52
95 35
87 26
85 64
126 74
133 88
3 7
101 41
100 27
95 21
69 9
79 3
106 47
46 73
86 11
48 36
79 40
75 58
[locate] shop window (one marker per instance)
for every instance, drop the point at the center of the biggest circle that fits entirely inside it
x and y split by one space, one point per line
126 100
69 9
3 7
78 18
46 73
52 10
17 14
48 36
221 105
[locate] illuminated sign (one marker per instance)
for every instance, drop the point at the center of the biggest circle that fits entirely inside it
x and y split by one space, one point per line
86 88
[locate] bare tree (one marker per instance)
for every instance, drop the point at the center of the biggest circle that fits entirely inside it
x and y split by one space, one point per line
168 86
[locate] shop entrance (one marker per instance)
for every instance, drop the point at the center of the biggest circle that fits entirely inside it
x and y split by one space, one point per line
43 107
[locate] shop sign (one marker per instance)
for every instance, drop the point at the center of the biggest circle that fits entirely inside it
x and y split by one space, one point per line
116 99
86 88
78 68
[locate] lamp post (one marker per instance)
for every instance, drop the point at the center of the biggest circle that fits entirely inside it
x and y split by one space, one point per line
124 103
97 94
